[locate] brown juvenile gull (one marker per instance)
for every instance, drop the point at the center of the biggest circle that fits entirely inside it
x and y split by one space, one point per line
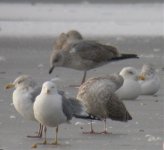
52 109
73 36
64 38
24 96
59 42
85 55
99 98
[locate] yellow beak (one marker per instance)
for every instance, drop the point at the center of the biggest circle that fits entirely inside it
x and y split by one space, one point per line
48 91
9 86
141 77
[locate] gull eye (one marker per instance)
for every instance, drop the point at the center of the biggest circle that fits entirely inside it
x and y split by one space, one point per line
56 60
19 81
130 72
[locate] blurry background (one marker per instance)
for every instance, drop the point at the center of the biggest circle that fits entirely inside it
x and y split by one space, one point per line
92 18
76 1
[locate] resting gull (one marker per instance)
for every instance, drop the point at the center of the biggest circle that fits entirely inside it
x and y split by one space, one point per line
84 55
149 80
52 109
24 96
131 88
98 96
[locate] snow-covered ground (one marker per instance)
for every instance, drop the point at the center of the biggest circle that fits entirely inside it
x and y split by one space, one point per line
90 19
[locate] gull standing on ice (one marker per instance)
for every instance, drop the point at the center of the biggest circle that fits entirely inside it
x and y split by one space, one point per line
52 109
24 96
84 55
149 80
131 88
98 96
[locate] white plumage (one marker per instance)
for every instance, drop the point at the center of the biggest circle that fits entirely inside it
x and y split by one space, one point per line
131 88
149 80
48 106
51 109
24 96
23 103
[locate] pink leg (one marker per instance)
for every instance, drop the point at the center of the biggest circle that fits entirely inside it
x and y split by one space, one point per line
90 132
105 128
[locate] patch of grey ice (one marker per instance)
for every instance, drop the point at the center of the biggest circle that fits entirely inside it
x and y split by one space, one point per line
12 117
40 66
156 50
79 123
151 138
147 56
1 100
2 59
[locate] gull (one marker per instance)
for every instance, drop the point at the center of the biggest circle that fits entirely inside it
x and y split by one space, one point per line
52 109
149 80
98 96
73 35
59 42
84 55
64 38
24 96
131 88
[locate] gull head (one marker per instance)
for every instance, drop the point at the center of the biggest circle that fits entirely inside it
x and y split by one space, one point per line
60 41
23 81
56 59
73 35
49 88
147 72
117 79
129 73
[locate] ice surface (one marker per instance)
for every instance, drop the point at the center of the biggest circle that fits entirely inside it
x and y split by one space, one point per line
90 19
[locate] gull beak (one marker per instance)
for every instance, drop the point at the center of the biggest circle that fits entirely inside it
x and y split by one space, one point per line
141 77
48 91
9 86
51 69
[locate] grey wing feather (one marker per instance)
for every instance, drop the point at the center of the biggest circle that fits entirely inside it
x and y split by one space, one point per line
77 106
35 93
71 107
62 93
67 108
94 51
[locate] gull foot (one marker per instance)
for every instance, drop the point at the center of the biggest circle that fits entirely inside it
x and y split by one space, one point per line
55 143
104 132
34 146
44 142
34 136
89 132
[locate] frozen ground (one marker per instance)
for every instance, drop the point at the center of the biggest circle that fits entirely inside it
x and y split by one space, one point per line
30 56
26 38
90 19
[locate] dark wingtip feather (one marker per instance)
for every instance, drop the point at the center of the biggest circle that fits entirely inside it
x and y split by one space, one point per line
87 117
125 56
128 116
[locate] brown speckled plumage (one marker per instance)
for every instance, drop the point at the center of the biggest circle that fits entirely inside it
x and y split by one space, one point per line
98 96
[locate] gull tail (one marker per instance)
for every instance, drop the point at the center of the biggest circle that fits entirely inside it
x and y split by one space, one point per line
87 117
79 110
125 56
